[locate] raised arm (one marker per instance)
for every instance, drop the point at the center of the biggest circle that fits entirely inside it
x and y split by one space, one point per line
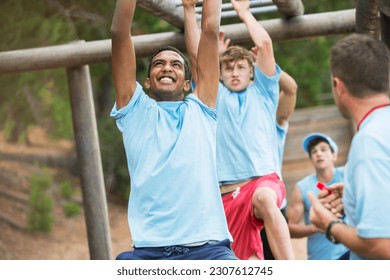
287 99
265 59
191 35
122 52
207 58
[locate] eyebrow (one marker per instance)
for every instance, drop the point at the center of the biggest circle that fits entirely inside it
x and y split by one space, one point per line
165 60
234 63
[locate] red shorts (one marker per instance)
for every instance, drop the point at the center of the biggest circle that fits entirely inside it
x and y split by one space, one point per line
243 225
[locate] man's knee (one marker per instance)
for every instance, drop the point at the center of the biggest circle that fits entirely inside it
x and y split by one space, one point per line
264 196
264 202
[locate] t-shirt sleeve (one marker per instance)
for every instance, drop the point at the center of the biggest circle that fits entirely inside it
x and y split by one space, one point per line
138 103
268 85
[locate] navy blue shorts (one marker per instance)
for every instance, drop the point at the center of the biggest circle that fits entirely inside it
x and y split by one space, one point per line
345 256
210 251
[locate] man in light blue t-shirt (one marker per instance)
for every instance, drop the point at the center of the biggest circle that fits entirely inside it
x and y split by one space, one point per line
360 75
175 210
286 106
322 151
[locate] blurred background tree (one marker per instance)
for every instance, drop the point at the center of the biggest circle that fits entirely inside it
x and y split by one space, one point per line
41 98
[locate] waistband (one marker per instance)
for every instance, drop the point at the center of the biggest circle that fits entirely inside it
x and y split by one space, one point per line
177 250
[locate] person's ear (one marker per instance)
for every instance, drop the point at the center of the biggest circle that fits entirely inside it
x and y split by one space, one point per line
338 85
335 86
187 85
147 83
334 82
334 157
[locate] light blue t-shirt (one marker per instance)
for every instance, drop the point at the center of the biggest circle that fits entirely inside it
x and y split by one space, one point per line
366 196
318 246
246 130
281 134
170 149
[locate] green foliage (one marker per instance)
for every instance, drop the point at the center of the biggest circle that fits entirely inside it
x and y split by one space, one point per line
36 24
313 78
113 158
66 189
147 23
307 60
8 128
61 114
72 209
40 216
320 6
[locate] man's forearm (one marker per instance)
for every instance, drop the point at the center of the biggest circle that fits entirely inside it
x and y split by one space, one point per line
191 35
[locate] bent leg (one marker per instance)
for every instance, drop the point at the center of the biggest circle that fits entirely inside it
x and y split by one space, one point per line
265 207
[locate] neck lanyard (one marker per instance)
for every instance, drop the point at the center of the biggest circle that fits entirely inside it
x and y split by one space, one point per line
369 113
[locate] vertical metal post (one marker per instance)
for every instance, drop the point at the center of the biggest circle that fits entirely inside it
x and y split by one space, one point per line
89 159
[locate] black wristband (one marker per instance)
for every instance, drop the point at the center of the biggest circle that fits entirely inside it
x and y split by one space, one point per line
328 234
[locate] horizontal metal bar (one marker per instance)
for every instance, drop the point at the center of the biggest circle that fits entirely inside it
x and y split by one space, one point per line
254 11
229 6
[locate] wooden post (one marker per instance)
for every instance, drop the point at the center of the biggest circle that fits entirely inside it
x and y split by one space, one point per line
89 159
290 8
367 17
385 21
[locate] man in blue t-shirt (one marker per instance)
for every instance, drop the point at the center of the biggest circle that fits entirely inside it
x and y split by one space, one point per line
360 75
322 151
247 159
175 210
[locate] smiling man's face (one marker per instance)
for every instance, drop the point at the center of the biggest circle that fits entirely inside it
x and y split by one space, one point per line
167 77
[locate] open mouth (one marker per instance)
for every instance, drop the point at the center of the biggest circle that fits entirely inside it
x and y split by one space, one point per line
166 79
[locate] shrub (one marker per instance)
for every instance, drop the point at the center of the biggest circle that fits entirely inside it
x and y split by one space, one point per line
40 216
71 209
66 189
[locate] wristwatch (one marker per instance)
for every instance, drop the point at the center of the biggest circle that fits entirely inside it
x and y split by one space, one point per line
328 233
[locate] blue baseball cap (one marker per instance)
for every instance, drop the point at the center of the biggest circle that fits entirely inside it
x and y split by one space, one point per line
315 135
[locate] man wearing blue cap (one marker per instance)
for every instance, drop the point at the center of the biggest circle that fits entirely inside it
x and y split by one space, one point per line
322 152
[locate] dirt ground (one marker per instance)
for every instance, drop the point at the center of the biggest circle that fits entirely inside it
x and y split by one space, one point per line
66 241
